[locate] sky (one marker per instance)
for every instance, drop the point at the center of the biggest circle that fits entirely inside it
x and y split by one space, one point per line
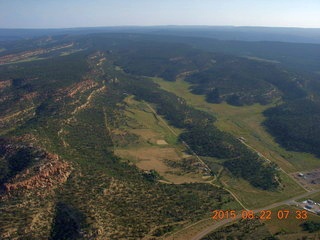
93 13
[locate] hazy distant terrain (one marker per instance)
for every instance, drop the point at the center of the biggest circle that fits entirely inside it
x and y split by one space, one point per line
295 35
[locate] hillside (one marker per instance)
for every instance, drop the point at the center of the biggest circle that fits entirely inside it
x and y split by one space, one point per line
241 81
295 125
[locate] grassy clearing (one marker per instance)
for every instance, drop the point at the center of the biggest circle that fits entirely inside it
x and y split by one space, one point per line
245 121
153 158
261 59
70 52
254 198
143 122
315 197
32 59
157 143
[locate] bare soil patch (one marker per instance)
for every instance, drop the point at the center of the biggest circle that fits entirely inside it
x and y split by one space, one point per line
308 179
162 142
145 134
153 158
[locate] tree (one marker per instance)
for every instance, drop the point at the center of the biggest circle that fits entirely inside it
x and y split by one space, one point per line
213 96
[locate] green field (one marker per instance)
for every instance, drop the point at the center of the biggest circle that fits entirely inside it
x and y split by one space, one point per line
140 116
245 121
31 59
315 197
143 122
255 198
70 52
149 141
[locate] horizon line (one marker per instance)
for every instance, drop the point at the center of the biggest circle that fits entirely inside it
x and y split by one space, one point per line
150 26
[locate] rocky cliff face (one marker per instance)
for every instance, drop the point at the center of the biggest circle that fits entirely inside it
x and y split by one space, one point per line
30 178
41 176
30 168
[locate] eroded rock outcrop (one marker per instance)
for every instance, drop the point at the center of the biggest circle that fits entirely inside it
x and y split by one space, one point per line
42 176
31 168
75 89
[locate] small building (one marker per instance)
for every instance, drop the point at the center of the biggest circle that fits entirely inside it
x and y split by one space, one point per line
300 174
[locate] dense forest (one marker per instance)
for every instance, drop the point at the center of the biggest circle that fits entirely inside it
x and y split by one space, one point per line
240 81
165 60
209 141
295 124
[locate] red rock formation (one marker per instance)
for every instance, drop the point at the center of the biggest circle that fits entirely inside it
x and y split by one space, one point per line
47 172
42 176
4 84
29 96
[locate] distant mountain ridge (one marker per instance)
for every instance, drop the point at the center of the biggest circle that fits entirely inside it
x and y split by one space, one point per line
278 34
